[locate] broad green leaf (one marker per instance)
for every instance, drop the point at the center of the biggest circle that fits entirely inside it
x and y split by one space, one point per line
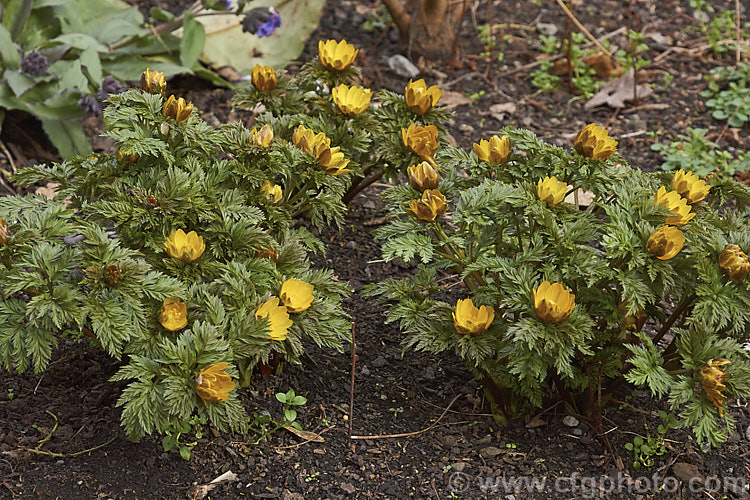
193 38
130 67
9 56
90 60
15 16
73 77
67 136
227 44
38 4
94 18
161 14
18 82
80 41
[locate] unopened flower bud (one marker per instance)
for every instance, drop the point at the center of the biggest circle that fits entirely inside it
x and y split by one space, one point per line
734 262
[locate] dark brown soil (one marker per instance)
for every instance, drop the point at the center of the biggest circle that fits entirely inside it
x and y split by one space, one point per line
446 433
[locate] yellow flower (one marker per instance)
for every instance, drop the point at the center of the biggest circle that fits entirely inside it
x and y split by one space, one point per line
351 100
126 158
551 191
552 302
712 378
186 247
676 204
112 274
261 138
469 319
213 384
4 233
665 242
331 160
177 109
173 314
278 318
430 207
594 142
690 186
271 191
421 140
296 295
263 77
421 98
495 151
734 262
336 56
422 176
153 82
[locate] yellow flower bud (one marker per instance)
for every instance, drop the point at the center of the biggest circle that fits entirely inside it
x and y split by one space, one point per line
594 142
336 56
186 247
261 138
112 274
421 140
177 109
429 208
420 98
676 204
496 151
551 191
690 186
469 319
153 82
213 384
263 77
734 263
278 318
422 176
712 378
665 242
552 302
351 100
296 295
173 314
4 233
271 191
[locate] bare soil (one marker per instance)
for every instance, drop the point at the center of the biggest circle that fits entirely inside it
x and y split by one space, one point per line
447 442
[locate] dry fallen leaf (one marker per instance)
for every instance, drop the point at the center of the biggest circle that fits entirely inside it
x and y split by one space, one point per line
201 491
616 92
49 190
451 99
306 435
584 198
498 111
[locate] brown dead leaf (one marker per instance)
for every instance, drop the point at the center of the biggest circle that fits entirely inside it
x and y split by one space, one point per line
584 198
616 93
49 190
536 421
603 66
451 99
306 435
498 111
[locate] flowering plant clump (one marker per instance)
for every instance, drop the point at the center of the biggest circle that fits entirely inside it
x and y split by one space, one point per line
348 131
184 264
567 288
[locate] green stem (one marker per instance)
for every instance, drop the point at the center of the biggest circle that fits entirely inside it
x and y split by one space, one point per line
299 194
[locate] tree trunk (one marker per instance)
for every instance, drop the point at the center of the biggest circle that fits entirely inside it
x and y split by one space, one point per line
428 28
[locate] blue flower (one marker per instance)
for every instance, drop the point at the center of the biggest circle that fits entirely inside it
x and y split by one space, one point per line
261 21
271 24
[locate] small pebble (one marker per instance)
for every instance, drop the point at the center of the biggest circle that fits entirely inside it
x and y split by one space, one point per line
570 421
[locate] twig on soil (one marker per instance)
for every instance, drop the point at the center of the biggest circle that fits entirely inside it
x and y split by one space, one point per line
351 390
583 29
737 20
295 445
407 434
